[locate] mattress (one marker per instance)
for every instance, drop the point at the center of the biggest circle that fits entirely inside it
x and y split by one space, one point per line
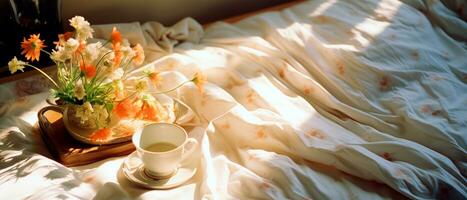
322 100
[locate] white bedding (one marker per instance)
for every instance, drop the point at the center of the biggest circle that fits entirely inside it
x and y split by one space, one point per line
324 100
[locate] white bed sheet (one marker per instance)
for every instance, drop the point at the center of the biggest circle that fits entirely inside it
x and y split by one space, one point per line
324 100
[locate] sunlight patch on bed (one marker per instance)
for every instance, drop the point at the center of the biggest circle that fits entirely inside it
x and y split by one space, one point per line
372 26
295 110
323 7
34 104
208 57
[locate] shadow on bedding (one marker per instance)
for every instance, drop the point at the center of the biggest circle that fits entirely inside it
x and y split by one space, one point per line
31 175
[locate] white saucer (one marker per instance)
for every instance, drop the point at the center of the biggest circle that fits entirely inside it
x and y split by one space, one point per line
133 170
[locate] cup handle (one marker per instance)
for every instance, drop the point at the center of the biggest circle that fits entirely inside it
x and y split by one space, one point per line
190 151
50 102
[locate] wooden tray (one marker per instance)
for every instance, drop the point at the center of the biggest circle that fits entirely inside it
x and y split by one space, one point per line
69 151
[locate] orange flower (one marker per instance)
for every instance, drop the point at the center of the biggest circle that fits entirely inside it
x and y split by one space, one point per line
32 47
62 38
115 36
124 108
116 39
88 70
139 56
155 78
199 80
81 47
101 135
118 54
148 111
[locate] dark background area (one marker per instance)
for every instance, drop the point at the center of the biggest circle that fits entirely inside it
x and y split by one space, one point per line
19 19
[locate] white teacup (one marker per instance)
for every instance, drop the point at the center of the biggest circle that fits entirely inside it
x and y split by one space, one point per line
162 147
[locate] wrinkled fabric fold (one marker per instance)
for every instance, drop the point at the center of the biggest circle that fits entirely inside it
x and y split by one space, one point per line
323 100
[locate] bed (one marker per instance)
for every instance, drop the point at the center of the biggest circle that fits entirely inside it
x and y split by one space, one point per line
320 100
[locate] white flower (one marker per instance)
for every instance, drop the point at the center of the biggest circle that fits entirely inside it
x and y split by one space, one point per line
59 54
117 74
118 87
149 98
127 52
84 112
63 53
83 28
141 85
63 72
15 65
92 51
85 33
79 90
71 45
101 114
78 22
118 84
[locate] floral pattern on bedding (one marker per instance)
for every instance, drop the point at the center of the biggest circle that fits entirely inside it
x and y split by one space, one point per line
325 100
24 87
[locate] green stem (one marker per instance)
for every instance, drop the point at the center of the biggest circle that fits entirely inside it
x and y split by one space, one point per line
162 92
98 62
125 68
46 52
43 73
170 90
106 42
82 57
84 80
127 97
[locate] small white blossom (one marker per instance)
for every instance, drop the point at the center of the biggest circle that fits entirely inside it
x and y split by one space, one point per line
82 27
15 65
63 72
88 107
85 33
117 74
71 45
79 90
101 114
127 52
84 112
118 87
141 85
118 84
92 51
78 22
59 55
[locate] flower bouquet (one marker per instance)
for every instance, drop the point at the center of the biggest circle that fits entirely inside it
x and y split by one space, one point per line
100 103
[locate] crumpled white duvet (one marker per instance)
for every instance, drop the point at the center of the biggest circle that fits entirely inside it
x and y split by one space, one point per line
324 100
